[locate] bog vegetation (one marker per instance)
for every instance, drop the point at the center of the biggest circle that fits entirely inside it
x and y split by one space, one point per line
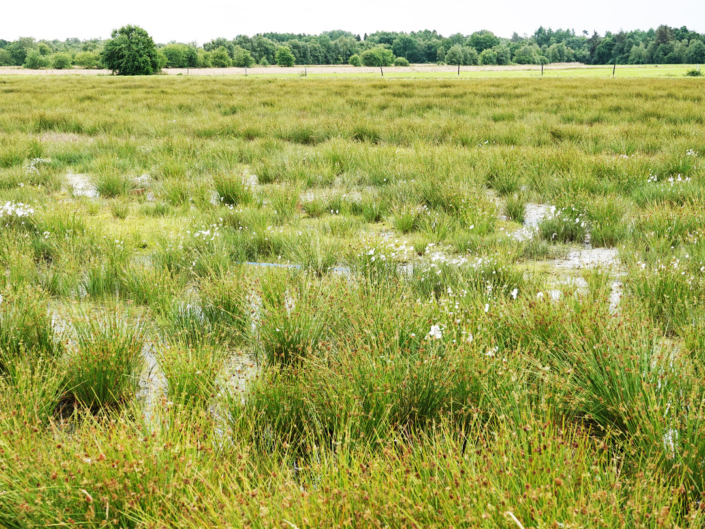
301 303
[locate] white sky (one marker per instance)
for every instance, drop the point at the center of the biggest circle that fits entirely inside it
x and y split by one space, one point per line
186 20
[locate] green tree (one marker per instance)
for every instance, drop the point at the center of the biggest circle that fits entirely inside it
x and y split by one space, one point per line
44 49
35 60
401 61
377 56
483 40
175 55
5 58
488 57
526 55
504 54
220 58
470 56
20 48
242 58
455 55
131 51
557 52
355 60
441 54
61 61
284 57
407 47
191 56
696 52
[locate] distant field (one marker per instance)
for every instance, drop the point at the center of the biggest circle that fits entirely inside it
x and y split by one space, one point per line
348 302
419 71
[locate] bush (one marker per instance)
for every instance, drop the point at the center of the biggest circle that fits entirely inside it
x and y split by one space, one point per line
694 73
35 60
284 57
264 62
401 61
61 61
86 59
220 58
355 60
131 51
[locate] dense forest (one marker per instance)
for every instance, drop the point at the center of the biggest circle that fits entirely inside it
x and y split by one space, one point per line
664 45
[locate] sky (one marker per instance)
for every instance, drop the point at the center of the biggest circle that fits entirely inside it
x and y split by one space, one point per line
203 20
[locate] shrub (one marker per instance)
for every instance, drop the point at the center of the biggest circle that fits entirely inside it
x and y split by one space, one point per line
264 62
35 60
285 57
694 73
61 61
401 61
86 59
131 51
355 60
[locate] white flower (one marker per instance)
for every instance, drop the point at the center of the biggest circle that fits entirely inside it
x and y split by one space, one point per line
539 295
487 307
515 293
435 332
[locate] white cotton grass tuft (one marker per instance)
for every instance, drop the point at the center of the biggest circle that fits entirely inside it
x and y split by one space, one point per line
435 333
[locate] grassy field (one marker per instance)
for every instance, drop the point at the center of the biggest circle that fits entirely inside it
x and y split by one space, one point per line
362 303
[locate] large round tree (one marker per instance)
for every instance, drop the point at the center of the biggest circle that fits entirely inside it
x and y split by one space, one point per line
131 51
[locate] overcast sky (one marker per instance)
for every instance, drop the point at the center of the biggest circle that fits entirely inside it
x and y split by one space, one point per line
202 20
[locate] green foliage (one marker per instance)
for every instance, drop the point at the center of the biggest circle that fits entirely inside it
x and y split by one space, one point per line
131 51
377 56
401 61
219 58
455 55
354 60
284 57
87 59
61 61
242 58
35 60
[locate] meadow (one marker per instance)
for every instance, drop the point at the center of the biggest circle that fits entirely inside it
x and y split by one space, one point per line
302 302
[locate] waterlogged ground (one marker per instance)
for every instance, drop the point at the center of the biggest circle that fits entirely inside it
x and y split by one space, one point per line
309 303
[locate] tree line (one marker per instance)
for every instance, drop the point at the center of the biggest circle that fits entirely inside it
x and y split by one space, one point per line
663 45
